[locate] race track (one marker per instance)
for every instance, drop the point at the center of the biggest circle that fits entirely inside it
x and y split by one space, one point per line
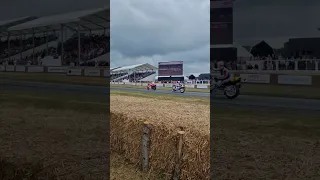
241 101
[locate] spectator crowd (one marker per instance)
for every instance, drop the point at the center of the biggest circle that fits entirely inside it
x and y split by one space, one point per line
92 46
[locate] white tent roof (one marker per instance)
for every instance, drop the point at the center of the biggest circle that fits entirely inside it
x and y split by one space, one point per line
136 67
241 51
92 19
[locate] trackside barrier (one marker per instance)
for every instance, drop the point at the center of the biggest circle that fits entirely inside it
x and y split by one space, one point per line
169 85
69 71
304 78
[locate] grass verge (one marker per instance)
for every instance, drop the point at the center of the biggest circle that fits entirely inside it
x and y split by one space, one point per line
268 143
58 136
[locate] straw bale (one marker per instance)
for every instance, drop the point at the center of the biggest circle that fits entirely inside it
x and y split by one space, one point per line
166 118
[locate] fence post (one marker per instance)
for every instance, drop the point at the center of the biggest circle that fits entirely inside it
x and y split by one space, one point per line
177 170
145 142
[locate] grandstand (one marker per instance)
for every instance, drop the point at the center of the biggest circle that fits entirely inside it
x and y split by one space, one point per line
134 73
79 38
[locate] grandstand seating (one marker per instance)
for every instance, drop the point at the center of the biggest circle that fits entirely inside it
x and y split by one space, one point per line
92 46
27 44
131 76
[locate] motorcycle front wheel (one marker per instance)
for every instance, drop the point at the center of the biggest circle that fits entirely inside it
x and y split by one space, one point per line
182 90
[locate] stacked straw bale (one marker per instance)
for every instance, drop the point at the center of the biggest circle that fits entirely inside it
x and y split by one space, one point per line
166 118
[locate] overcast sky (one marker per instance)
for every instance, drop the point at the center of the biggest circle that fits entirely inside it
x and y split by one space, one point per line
166 30
144 31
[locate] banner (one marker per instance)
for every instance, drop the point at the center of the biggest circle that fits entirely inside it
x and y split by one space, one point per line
255 78
10 68
92 72
20 69
74 72
35 69
294 80
57 69
2 68
173 68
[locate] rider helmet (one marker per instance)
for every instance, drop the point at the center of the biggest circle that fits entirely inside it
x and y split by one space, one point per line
220 64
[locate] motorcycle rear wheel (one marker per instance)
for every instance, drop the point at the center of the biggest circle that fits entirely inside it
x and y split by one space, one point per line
234 92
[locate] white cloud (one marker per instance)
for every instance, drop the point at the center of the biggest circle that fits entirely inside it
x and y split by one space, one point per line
144 31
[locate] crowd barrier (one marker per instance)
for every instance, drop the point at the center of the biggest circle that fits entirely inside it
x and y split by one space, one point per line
69 71
305 78
254 78
169 85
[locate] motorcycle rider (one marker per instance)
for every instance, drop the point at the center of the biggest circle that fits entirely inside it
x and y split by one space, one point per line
178 85
224 74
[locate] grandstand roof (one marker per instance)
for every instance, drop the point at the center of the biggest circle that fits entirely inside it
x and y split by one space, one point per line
5 24
93 19
136 67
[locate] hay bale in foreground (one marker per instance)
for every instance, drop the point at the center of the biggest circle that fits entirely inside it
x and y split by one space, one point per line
125 139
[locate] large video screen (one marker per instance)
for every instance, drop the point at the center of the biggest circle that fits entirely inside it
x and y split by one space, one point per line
221 33
221 3
173 68
221 26
221 15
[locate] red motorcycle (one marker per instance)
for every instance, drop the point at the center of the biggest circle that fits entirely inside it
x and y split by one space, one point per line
151 86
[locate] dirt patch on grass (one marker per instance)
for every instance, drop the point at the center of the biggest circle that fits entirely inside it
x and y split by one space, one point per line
265 145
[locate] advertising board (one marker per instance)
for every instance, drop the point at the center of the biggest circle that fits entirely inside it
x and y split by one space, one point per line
20 69
255 78
2 68
10 68
294 80
35 69
92 72
57 69
74 72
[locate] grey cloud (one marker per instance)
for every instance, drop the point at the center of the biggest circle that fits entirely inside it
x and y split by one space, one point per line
273 18
144 31
142 27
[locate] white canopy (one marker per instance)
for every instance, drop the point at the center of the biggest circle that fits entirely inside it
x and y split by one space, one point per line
137 67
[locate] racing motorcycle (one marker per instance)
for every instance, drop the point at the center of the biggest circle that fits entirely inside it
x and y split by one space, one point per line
181 88
231 89
151 86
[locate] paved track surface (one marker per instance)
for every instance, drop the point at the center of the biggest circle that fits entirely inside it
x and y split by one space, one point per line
242 100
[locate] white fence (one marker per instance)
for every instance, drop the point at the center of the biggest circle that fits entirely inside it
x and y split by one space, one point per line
277 65
69 71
